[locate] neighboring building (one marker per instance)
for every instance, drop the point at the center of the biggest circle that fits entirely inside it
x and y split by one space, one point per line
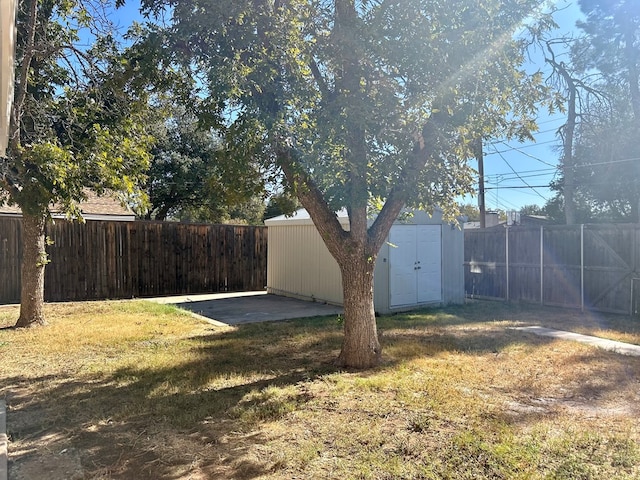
491 219
514 219
534 220
94 208
421 263
7 49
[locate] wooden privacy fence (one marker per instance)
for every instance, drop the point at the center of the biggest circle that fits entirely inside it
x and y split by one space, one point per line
107 259
580 266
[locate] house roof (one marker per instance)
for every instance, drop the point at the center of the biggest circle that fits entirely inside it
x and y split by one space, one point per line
105 207
534 220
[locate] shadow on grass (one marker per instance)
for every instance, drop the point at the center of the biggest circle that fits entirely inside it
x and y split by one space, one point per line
481 311
602 385
227 385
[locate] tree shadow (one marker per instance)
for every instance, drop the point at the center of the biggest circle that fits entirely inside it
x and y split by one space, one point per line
592 384
483 311
206 411
599 383
217 399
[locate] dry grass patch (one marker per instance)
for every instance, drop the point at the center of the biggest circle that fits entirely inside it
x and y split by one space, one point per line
138 390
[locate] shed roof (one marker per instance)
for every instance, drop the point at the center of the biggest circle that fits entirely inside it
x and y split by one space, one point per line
302 217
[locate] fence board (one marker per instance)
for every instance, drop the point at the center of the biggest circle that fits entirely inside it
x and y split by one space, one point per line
485 264
103 259
10 255
524 264
590 266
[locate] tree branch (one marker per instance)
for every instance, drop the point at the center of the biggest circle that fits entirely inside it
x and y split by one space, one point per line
312 200
424 148
23 77
322 84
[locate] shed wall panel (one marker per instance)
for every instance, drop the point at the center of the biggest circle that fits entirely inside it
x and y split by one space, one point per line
300 265
452 264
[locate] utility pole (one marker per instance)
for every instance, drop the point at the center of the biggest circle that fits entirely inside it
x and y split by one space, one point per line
481 205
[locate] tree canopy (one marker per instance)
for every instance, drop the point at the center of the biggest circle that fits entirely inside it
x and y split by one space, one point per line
367 105
78 121
605 168
192 178
276 75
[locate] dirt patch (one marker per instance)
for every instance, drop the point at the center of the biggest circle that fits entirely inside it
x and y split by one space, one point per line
126 452
65 464
583 408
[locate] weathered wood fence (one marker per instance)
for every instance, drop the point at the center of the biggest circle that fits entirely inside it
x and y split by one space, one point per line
107 259
581 266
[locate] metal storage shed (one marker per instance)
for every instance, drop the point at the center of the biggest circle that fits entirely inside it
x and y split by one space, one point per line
420 264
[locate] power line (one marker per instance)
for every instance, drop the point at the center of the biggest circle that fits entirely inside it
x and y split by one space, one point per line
540 132
518 175
507 205
515 187
519 150
550 120
541 171
513 177
524 146
534 171
610 162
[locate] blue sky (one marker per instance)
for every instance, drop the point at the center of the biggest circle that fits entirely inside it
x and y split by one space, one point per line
516 174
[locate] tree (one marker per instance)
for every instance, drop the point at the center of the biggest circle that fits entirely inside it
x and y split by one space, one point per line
532 210
607 172
613 36
368 105
472 212
191 177
249 212
77 122
280 204
604 174
579 95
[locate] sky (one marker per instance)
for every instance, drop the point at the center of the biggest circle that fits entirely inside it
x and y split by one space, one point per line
516 174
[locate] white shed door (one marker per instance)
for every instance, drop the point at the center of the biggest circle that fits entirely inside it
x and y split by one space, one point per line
415 274
403 288
429 258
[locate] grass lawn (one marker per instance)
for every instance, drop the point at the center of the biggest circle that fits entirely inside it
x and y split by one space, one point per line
136 390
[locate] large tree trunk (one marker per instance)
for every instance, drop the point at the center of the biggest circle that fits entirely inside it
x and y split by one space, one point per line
568 133
34 259
567 157
360 345
355 250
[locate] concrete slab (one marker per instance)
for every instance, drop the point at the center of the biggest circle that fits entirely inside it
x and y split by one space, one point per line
611 345
249 307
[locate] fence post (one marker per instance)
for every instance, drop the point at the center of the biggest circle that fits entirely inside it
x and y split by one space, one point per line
506 236
541 264
634 264
582 267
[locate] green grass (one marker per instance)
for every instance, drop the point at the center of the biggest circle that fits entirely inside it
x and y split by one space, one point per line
147 391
